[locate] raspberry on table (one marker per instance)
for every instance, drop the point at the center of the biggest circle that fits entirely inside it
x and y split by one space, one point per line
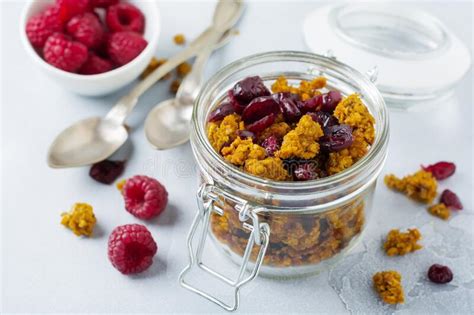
63 53
103 3
144 197
70 8
123 47
87 29
107 171
43 25
131 248
125 17
80 220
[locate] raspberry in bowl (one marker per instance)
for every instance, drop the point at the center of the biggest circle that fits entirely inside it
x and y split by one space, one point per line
91 47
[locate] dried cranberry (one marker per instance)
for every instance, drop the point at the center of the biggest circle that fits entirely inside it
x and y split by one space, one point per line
220 112
271 145
440 274
311 105
259 108
441 170
324 119
305 172
245 134
107 171
288 106
249 88
451 200
261 124
336 138
330 101
239 108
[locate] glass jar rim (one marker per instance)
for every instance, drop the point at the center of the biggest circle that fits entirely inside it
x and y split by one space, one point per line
378 148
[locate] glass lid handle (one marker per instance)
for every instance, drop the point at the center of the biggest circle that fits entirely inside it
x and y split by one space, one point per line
208 199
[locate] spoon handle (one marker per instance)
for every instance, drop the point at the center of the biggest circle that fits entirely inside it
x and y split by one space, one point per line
124 106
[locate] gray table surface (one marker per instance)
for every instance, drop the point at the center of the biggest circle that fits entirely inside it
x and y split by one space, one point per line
46 269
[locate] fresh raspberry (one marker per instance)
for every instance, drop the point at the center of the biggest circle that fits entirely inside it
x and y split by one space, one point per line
103 3
43 25
125 17
131 248
63 53
123 47
87 29
70 8
144 197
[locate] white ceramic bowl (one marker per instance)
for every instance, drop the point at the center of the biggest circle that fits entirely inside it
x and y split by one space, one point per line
104 83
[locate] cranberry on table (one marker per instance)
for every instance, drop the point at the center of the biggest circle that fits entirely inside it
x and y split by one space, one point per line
441 170
336 138
249 88
440 274
261 124
451 200
260 107
106 172
271 145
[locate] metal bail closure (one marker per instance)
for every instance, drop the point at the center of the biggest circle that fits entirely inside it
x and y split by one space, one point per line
208 199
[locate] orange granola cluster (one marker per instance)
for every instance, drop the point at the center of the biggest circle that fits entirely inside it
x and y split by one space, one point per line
305 90
301 142
388 285
399 243
353 112
80 220
224 132
420 186
241 151
440 210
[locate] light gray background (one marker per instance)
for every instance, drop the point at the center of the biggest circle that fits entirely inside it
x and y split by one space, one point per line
45 268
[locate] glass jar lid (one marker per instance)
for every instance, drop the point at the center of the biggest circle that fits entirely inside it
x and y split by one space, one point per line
418 58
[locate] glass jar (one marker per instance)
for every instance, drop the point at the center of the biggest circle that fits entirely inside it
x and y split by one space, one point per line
281 228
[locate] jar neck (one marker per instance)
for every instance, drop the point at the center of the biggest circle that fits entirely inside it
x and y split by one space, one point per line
314 193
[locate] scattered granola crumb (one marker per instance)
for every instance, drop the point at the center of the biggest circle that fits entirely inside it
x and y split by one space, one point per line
179 39
183 69
154 63
399 243
175 86
302 141
420 186
440 210
271 168
388 285
80 220
120 184
241 150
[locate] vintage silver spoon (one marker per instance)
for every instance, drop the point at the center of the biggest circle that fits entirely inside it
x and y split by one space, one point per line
168 123
94 139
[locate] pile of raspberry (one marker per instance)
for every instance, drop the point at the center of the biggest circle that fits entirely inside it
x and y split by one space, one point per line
88 36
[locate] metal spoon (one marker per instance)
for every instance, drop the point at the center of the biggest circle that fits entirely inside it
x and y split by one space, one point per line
95 139
168 123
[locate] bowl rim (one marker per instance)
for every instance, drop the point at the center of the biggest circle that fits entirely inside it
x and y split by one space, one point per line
25 15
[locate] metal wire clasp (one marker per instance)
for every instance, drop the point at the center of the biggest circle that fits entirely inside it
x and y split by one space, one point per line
208 199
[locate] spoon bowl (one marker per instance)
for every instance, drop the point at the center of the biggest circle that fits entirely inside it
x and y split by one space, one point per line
90 139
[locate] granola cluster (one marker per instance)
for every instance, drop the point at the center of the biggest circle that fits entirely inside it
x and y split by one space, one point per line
388 285
420 186
399 243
